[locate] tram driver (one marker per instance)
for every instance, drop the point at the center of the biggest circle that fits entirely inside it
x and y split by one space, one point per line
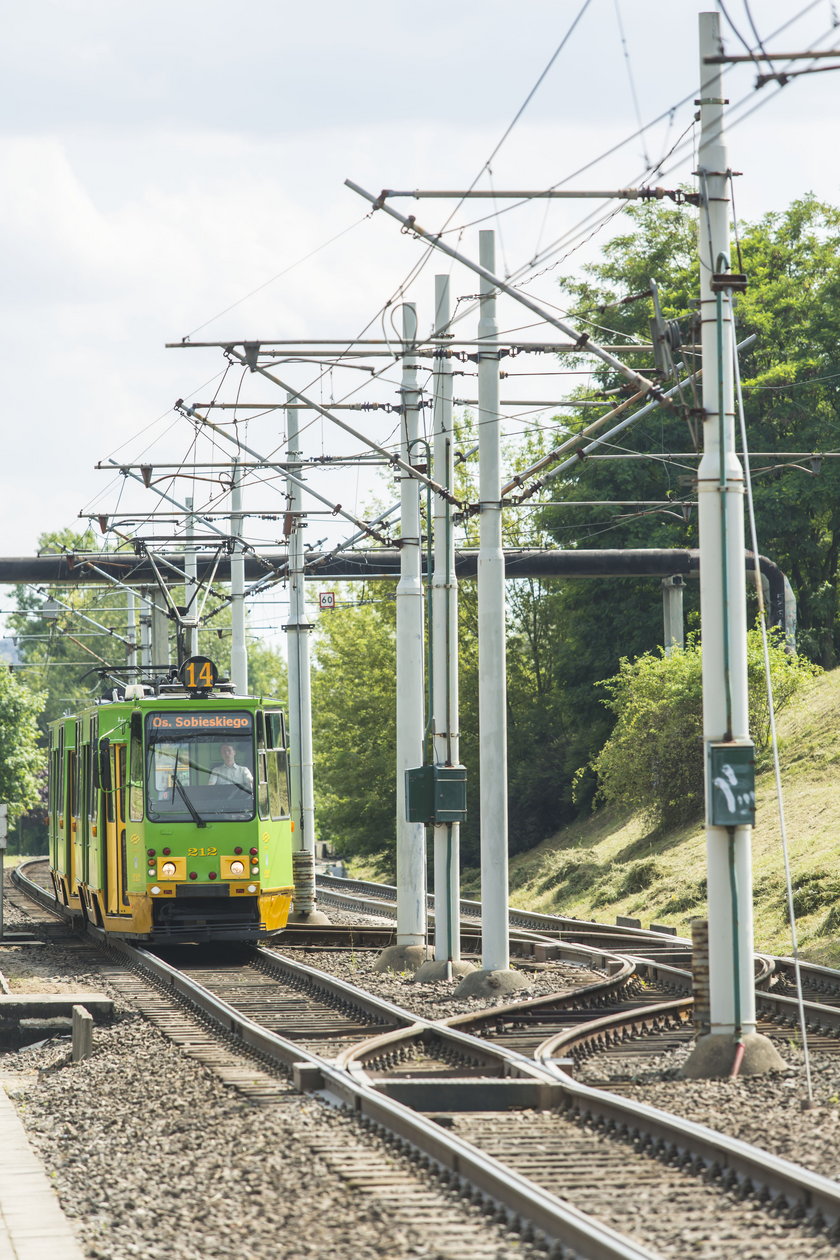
229 771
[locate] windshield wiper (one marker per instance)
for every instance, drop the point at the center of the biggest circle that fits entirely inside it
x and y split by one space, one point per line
197 819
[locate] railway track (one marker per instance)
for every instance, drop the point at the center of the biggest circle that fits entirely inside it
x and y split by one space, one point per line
466 1094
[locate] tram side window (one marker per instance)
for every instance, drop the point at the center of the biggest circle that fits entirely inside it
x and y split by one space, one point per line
73 781
52 795
59 792
121 779
135 786
278 779
93 773
107 788
262 766
78 774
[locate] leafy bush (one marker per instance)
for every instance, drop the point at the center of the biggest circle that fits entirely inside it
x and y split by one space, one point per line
653 760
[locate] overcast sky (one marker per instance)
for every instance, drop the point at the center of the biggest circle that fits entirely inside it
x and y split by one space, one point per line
162 161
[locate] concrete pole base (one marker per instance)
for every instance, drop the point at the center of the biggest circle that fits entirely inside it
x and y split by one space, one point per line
490 984
714 1056
313 917
403 957
443 969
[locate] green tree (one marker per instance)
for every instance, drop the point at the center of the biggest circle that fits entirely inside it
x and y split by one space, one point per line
791 380
653 760
354 722
23 761
64 655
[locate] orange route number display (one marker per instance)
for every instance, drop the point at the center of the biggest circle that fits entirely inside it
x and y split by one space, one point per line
198 673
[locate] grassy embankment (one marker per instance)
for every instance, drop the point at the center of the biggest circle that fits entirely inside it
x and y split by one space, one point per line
609 864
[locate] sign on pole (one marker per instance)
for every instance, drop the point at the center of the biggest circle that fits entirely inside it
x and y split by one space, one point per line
326 599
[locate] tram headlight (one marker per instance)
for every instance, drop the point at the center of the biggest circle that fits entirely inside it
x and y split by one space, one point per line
237 868
154 890
167 870
252 888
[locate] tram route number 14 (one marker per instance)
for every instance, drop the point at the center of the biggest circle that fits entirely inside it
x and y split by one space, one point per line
198 673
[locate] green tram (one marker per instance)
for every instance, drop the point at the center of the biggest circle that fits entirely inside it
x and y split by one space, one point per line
169 811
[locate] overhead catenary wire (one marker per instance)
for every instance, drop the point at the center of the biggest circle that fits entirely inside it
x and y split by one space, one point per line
500 142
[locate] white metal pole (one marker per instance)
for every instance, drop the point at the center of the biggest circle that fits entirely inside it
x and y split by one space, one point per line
160 633
132 654
146 657
492 683
672 613
191 584
445 642
411 837
238 649
722 573
293 495
300 696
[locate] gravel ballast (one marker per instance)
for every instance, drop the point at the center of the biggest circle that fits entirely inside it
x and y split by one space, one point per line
768 1111
152 1156
435 999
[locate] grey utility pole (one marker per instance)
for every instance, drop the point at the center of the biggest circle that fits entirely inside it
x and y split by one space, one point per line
496 975
131 653
146 656
410 950
672 613
300 700
191 584
238 646
445 725
732 1044
160 633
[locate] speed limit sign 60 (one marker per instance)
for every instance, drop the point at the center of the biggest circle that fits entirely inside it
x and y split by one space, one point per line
326 599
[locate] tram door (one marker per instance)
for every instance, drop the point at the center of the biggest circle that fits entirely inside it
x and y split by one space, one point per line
116 892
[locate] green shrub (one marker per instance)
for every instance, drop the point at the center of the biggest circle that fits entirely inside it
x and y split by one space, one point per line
653 760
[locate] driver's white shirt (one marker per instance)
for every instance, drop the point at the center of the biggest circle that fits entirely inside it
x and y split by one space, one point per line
231 774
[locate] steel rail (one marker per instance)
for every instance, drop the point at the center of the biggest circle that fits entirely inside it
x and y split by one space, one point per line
380 896
517 1195
736 1162
747 1167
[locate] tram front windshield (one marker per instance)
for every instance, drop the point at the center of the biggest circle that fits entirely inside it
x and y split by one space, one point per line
204 775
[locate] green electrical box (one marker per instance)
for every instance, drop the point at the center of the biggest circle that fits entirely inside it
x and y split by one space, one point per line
731 784
436 794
